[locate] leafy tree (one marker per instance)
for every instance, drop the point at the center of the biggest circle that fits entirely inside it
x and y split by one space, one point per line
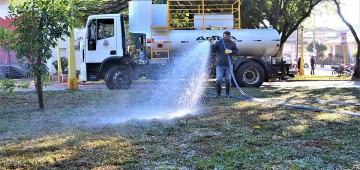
320 48
6 39
283 15
91 7
356 74
39 23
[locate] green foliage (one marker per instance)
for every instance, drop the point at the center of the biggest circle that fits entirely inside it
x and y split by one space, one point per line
320 48
64 64
91 7
354 53
23 85
251 14
8 85
6 39
284 16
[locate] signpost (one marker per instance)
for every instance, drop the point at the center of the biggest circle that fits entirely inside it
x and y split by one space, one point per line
344 43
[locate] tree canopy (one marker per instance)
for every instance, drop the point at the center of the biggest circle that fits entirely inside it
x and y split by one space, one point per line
320 48
285 16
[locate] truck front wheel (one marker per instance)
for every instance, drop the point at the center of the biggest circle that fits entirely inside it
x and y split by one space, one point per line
250 74
118 77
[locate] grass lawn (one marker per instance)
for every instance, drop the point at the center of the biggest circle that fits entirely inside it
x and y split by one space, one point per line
227 134
321 78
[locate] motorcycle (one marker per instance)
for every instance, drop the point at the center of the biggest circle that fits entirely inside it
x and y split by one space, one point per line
339 70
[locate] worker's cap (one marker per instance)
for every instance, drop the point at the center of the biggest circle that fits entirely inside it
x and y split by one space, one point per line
227 33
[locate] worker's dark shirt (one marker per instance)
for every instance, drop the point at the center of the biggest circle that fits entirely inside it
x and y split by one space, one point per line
221 58
312 62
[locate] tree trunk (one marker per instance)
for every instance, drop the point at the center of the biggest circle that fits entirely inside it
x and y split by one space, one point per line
38 84
356 75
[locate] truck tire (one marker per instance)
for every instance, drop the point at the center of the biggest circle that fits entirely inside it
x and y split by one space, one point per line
250 74
118 77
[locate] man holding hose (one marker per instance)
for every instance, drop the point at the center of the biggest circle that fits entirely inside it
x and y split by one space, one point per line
223 48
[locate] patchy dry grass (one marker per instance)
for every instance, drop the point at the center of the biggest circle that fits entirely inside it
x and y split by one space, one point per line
229 134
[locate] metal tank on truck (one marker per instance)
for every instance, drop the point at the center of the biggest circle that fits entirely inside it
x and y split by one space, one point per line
152 26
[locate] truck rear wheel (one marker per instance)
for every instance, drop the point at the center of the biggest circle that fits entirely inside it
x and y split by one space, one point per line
250 74
118 77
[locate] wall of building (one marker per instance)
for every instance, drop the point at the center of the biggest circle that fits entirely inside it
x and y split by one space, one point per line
4 4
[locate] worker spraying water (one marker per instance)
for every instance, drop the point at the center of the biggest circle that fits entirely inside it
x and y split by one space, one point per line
223 48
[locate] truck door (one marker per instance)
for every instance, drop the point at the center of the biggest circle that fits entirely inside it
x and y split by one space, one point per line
101 42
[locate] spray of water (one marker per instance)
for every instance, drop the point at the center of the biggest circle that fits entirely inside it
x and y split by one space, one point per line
176 94
179 92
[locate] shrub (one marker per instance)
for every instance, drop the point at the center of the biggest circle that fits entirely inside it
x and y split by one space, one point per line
8 85
64 64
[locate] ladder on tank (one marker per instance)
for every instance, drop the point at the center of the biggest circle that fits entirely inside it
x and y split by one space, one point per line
160 43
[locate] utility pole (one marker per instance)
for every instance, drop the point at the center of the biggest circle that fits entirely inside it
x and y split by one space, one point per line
297 50
314 49
59 58
72 80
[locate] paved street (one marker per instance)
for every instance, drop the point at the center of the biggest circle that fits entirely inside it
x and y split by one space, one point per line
326 71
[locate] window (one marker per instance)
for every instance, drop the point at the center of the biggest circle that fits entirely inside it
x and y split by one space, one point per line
105 28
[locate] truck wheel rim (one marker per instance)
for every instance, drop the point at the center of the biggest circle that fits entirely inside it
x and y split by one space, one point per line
118 77
251 76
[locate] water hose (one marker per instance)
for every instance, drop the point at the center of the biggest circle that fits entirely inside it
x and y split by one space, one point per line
233 76
251 98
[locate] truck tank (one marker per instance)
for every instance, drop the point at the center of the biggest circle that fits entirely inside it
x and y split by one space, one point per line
250 42
144 16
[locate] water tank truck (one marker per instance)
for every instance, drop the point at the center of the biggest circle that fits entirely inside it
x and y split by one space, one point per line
105 53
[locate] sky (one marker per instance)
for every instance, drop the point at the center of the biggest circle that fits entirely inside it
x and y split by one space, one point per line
327 17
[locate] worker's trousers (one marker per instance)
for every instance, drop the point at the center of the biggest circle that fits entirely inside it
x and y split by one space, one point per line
221 72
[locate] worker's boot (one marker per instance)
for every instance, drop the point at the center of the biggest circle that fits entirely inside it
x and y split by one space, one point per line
218 90
227 90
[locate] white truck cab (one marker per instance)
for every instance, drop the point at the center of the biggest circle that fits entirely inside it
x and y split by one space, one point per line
103 45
